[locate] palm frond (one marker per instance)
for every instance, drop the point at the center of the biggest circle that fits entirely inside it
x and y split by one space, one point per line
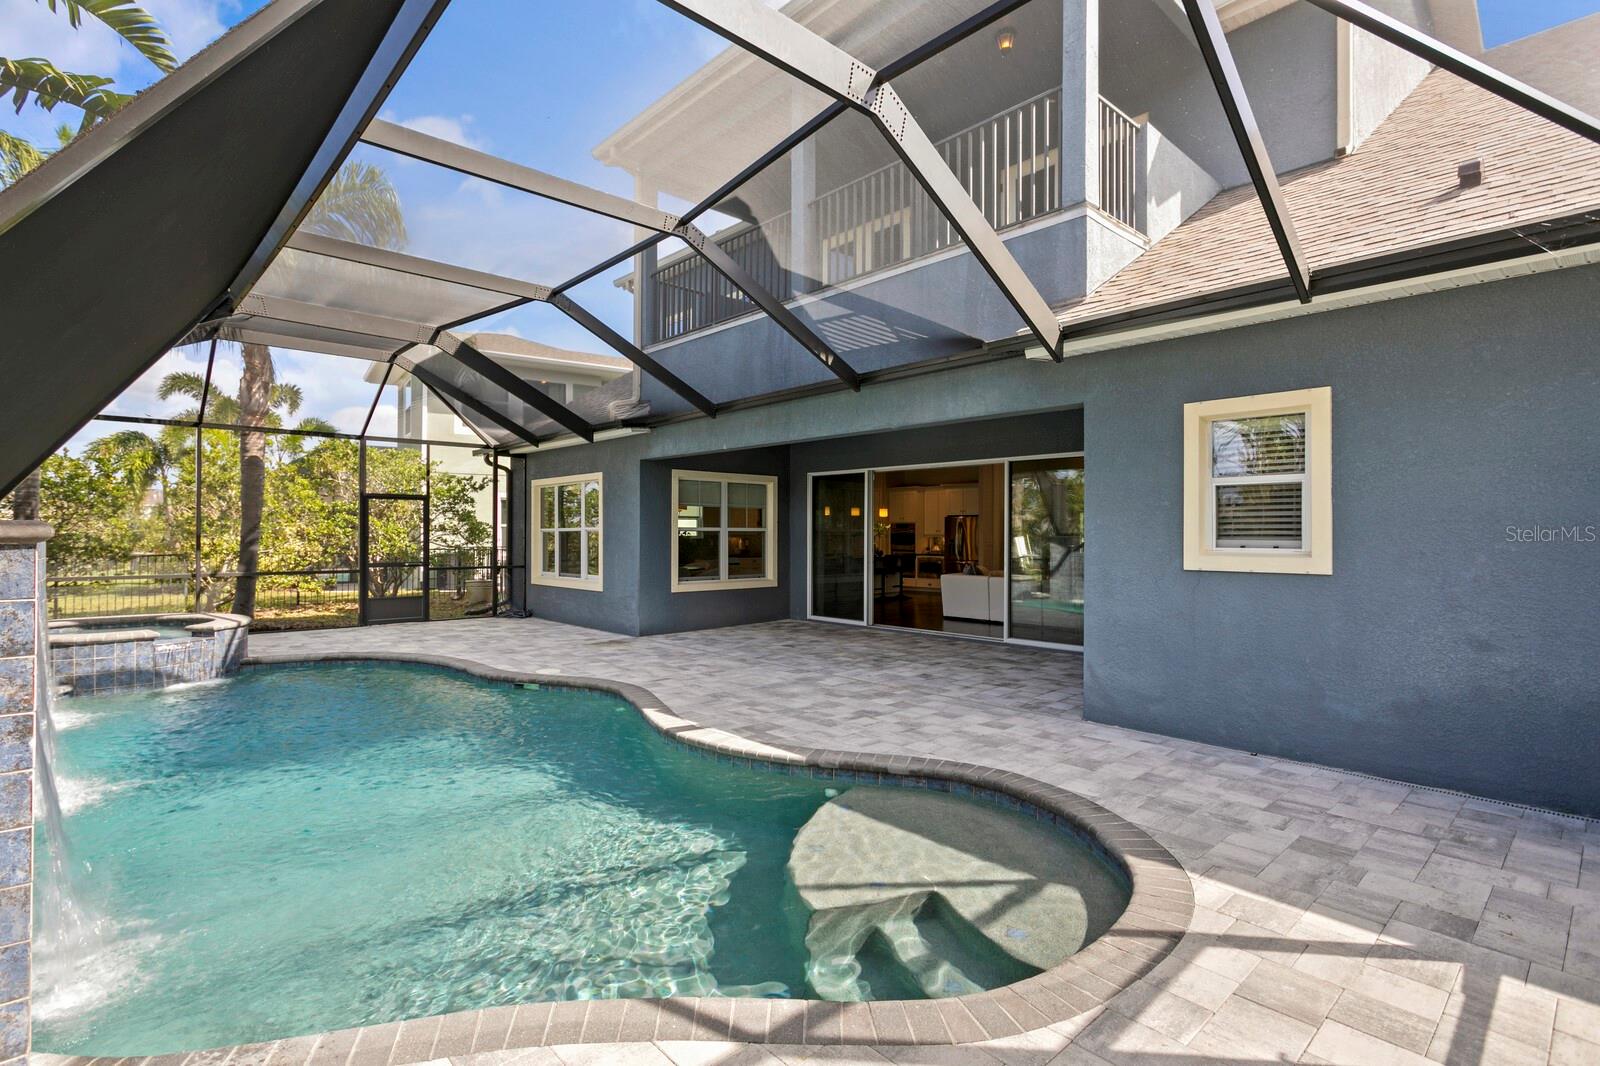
315 425
181 383
361 205
39 80
134 456
129 21
222 408
287 396
17 157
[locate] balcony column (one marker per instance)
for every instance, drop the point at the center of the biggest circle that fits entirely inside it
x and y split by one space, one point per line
644 269
1080 102
805 268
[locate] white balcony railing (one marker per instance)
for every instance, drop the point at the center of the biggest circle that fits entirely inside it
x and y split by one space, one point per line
1010 164
1121 172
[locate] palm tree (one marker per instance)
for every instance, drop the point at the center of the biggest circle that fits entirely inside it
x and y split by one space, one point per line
359 204
262 401
47 85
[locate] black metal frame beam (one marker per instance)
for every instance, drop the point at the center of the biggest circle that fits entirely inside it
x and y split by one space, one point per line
1462 65
521 290
952 36
468 356
1479 250
319 434
470 161
785 43
1213 42
787 320
401 331
575 311
466 399
406 35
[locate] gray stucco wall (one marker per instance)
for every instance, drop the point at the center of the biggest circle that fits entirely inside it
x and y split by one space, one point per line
1149 63
616 606
1439 651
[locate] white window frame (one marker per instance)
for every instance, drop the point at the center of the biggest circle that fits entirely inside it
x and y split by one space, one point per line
1315 556
537 573
770 578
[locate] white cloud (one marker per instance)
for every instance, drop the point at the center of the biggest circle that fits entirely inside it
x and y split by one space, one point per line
385 420
453 128
32 29
192 24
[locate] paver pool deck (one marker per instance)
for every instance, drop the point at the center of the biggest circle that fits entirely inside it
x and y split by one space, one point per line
1337 918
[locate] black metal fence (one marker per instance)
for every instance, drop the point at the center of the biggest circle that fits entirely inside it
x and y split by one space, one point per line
462 583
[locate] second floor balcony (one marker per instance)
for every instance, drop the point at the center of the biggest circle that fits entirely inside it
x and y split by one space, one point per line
1009 163
880 220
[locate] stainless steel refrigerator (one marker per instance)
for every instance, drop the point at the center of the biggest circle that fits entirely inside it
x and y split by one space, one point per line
960 542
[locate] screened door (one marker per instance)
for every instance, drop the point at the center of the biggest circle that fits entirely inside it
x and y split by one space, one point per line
1047 551
394 558
839 547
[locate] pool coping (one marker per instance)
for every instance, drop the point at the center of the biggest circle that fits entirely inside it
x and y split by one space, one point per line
1150 927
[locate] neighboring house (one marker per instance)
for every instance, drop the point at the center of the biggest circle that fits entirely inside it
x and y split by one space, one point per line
1319 532
424 416
562 374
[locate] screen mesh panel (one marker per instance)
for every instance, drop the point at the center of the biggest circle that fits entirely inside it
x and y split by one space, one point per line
629 97
332 282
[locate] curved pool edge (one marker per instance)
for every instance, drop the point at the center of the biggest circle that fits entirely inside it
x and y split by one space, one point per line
1156 918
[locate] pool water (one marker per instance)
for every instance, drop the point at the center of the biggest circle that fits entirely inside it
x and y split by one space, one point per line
308 848
163 631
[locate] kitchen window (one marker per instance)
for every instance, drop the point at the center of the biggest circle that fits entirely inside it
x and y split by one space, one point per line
723 532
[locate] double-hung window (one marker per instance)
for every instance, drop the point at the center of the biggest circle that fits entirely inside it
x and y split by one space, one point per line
566 533
1258 484
723 531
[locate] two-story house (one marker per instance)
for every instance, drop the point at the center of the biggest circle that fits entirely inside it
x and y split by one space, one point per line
1261 522
1244 348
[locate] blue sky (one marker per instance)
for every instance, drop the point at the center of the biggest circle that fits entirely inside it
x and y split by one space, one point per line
537 81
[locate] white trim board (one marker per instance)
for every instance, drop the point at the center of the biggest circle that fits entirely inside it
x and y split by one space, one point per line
1537 263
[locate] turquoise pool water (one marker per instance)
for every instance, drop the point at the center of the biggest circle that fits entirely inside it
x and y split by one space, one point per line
307 848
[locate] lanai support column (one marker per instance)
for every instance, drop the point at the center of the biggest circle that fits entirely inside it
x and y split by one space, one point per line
23 675
804 261
1080 102
644 270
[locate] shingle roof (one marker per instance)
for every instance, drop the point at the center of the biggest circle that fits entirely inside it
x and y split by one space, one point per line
1564 61
1398 190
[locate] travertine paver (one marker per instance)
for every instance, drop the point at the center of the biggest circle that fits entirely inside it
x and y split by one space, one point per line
1337 918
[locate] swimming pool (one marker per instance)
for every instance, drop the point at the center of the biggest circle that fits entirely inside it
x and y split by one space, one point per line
308 848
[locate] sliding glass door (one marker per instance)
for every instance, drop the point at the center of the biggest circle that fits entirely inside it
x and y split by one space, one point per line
1046 587
839 546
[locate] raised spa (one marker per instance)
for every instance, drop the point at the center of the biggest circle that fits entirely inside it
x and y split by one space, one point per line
308 848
